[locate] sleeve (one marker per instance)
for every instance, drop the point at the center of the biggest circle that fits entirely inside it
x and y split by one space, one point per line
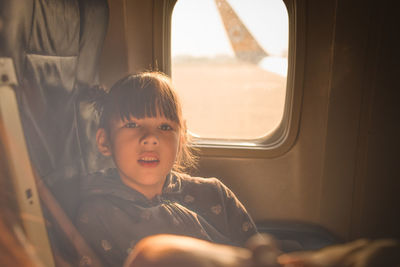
98 223
239 223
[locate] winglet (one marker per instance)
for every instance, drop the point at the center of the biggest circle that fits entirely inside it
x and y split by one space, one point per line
244 45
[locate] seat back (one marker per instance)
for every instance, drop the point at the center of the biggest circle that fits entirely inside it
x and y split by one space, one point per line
55 46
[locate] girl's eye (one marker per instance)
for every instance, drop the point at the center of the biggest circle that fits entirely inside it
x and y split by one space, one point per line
131 125
165 127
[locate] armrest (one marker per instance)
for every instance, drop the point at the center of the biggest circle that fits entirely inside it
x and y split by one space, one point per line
295 236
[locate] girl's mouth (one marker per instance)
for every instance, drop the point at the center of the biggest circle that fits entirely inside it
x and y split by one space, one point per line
148 161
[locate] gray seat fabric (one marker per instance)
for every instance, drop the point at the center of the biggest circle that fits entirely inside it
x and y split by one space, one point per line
55 46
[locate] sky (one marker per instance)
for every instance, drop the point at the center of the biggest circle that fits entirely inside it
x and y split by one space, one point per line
197 28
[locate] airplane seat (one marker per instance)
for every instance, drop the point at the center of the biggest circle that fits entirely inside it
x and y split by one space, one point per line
55 46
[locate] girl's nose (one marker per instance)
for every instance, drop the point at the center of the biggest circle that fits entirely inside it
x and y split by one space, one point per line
149 139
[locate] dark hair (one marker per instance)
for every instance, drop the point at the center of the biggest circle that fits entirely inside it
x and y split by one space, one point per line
147 94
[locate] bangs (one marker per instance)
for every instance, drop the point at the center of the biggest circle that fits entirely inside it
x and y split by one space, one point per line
144 97
144 104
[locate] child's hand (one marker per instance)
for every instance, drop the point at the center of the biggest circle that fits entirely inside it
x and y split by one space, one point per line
359 253
264 250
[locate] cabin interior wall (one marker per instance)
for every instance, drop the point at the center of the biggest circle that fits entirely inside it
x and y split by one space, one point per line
349 49
345 147
377 199
128 47
113 61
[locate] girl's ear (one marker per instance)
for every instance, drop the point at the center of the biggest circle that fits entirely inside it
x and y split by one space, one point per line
103 144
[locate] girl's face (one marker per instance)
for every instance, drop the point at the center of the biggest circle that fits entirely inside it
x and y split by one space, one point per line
144 151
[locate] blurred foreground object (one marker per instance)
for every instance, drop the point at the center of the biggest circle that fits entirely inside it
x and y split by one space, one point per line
170 250
359 253
264 250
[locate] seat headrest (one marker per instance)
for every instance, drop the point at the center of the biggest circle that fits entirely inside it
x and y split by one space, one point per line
55 46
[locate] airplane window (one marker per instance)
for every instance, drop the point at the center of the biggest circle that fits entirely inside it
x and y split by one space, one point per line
229 66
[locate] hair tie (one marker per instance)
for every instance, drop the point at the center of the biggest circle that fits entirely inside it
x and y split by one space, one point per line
95 95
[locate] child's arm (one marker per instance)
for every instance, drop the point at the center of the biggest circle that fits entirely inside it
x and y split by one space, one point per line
99 225
238 220
173 251
217 204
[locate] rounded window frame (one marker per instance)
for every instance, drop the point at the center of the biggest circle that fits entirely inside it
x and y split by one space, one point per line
282 138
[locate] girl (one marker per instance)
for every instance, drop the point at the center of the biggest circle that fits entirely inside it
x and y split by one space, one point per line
142 130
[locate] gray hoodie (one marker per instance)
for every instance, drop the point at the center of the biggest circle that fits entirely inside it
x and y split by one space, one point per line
114 217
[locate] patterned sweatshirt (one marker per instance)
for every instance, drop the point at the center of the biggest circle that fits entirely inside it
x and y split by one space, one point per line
114 217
